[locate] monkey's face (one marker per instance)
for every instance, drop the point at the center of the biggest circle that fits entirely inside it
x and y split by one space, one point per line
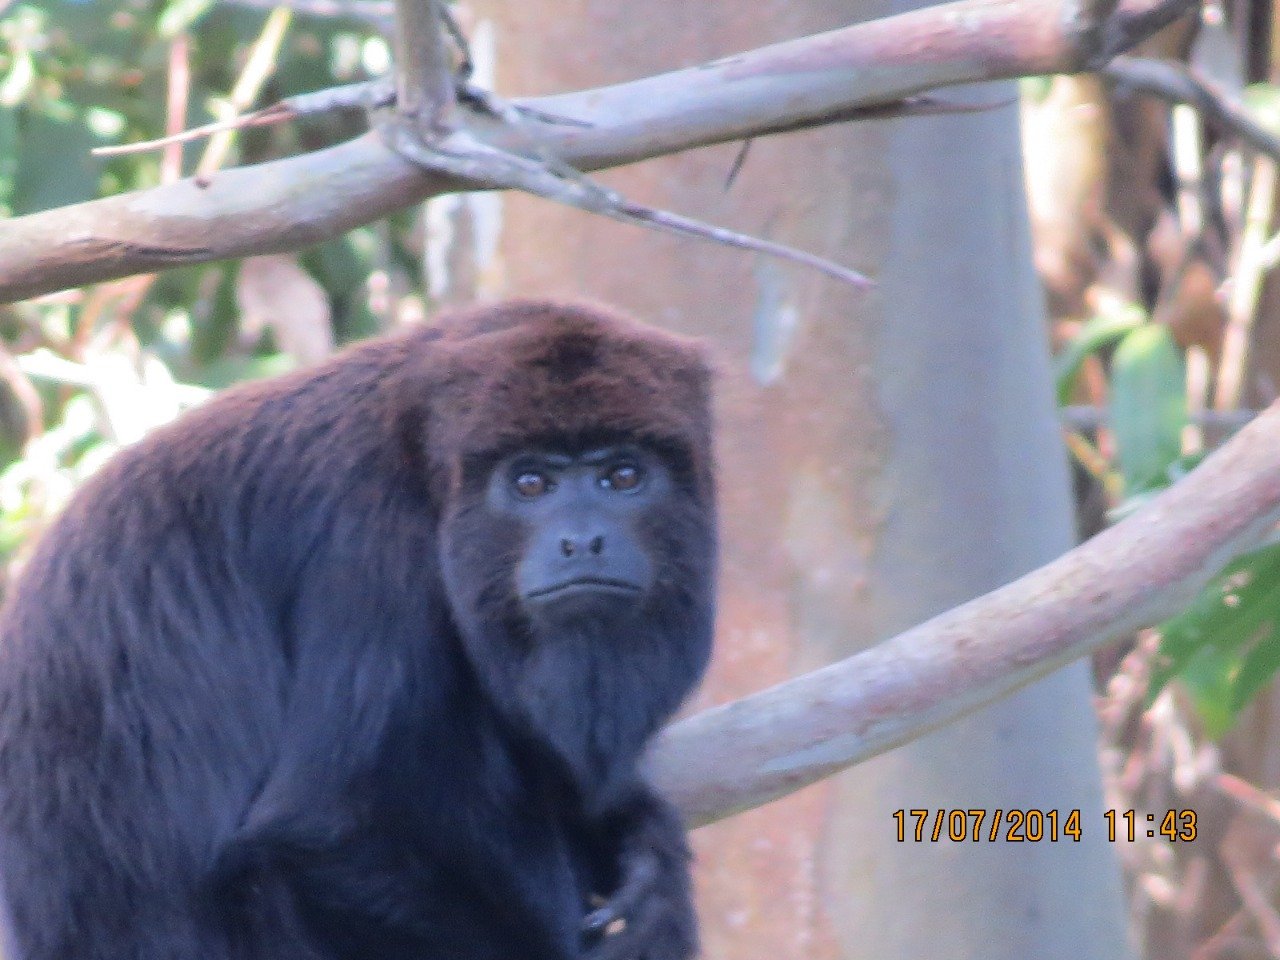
581 579
582 551
561 536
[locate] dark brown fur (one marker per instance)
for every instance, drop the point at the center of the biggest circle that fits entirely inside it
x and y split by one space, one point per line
537 369
238 718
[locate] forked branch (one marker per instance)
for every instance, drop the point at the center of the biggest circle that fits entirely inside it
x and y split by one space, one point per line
809 82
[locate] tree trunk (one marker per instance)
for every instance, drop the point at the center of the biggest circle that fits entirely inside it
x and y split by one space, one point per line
883 456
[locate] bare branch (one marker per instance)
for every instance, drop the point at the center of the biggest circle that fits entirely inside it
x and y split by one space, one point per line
789 86
373 94
276 113
424 76
369 95
547 176
1177 83
1139 572
460 155
631 212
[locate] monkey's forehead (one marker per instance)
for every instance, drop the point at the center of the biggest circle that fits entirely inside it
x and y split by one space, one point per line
572 393
571 374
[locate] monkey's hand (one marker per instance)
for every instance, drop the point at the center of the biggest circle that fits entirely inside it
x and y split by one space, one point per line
650 915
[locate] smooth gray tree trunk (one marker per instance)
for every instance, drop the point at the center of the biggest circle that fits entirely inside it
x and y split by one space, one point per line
980 495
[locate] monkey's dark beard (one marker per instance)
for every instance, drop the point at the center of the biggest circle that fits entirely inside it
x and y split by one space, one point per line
592 692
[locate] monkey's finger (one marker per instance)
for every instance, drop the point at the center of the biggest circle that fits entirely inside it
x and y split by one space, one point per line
628 943
639 880
665 932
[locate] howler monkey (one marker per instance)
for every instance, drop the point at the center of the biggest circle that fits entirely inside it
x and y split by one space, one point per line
359 662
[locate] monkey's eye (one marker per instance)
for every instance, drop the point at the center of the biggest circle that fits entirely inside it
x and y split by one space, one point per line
530 484
624 476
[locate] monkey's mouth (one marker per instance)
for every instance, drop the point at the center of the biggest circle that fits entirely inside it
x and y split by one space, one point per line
584 585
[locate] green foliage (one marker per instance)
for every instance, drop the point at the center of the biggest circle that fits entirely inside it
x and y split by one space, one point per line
101 366
74 75
1147 397
1148 405
1226 646
1098 333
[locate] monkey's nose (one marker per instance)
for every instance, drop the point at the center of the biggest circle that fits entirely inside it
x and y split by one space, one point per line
569 546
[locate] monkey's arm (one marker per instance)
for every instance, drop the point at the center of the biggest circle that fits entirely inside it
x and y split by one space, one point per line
654 897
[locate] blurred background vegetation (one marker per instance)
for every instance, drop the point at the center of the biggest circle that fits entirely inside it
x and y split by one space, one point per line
1156 237
87 370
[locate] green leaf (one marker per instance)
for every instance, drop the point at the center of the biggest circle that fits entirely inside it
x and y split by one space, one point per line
1148 405
1099 332
1208 678
1226 646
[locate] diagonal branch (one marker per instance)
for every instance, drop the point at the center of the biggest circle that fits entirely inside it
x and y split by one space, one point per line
803 83
459 155
1134 21
1136 574
1178 83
